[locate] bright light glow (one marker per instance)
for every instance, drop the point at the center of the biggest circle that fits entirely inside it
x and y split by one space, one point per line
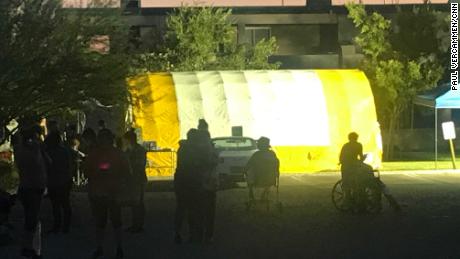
287 106
369 159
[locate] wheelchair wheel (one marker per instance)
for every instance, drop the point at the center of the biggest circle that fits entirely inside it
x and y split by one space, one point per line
338 196
373 200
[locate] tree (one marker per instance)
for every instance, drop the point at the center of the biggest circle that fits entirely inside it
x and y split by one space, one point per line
203 38
397 64
46 63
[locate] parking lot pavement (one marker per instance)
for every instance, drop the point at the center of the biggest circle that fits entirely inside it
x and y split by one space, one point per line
308 226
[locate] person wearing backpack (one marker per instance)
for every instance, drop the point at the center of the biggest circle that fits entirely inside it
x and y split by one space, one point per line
106 166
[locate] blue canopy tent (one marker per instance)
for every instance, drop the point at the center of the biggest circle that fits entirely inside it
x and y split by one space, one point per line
441 97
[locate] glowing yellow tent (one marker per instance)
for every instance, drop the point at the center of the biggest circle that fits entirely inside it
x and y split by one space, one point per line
307 114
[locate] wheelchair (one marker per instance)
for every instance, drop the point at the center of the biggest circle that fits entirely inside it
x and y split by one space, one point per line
365 194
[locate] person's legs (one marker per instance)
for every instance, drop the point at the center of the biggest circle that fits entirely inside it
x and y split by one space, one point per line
179 216
31 201
195 212
66 207
359 194
56 203
99 208
138 212
348 200
209 214
265 193
115 218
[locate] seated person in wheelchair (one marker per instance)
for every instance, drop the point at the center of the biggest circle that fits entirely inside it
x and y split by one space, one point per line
367 179
262 169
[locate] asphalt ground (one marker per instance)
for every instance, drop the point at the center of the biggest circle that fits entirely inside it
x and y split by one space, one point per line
308 227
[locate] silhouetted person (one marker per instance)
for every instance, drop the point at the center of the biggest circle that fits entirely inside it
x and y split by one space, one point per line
88 141
351 157
52 126
366 178
59 182
137 157
73 146
106 167
182 177
262 169
209 185
203 126
202 204
7 201
32 162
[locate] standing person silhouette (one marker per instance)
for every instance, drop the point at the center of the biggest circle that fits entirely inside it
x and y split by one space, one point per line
32 163
137 157
105 167
182 180
351 157
208 187
59 182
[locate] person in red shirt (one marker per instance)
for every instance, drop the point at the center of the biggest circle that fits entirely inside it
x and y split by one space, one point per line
106 167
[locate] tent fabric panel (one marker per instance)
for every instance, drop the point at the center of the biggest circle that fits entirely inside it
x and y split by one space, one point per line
306 108
277 100
301 159
338 111
338 120
156 114
166 121
165 110
262 98
238 101
423 100
189 100
441 97
141 96
362 108
449 100
214 103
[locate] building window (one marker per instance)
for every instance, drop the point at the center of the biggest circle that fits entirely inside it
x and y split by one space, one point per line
255 34
130 3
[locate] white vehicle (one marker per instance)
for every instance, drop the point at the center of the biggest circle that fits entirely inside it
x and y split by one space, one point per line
234 153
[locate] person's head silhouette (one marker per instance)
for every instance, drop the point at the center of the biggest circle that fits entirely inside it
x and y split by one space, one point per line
192 135
263 143
105 138
203 125
353 137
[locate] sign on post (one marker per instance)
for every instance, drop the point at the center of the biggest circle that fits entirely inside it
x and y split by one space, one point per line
448 131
